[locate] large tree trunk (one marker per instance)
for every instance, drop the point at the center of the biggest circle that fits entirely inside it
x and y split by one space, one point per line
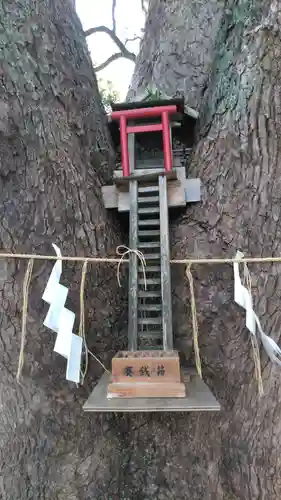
177 48
235 454
55 153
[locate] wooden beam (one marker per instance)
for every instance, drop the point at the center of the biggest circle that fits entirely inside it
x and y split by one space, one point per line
198 398
110 196
133 265
144 175
165 266
143 112
180 192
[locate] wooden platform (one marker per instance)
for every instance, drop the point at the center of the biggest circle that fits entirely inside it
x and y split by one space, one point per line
199 398
180 190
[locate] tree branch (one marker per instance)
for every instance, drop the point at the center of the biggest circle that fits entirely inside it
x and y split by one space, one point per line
112 58
123 50
136 37
113 15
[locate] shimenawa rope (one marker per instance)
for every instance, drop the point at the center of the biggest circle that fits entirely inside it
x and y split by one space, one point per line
194 320
25 289
215 260
127 251
82 326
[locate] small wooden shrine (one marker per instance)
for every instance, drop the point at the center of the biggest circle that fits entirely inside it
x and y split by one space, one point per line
153 141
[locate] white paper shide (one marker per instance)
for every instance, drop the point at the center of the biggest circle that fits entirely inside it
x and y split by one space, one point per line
61 321
243 297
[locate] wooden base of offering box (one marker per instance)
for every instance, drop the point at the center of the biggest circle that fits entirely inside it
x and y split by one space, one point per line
146 374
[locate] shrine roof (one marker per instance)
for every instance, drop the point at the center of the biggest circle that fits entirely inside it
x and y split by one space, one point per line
179 102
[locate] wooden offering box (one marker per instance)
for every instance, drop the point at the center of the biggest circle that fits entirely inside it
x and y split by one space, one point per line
145 374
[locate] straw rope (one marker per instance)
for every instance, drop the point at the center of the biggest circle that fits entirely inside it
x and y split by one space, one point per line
254 340
114 260
127 251
123 251
194 320
82 326
25 290
82 319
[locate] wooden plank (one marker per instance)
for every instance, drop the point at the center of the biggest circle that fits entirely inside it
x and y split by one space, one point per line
148 199
165 266
149 222
118 174
149 189
147 232
176 194
150 281
180 190
122 390
110 196
149 295
123 198
198 398
178 172
148 210
151 256
150 269
150 321
151 335
139 366
145 176
149 244
133 264
150 307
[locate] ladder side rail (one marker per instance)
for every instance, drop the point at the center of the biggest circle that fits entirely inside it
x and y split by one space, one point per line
133 262
165 266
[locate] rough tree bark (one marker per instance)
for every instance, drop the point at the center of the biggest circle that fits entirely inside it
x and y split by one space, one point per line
177 48
235 454
54 155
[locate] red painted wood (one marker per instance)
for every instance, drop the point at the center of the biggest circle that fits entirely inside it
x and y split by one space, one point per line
143 112
126 114
167 142
134 129
124 146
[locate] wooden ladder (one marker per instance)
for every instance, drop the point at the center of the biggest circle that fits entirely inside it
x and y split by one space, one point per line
150 311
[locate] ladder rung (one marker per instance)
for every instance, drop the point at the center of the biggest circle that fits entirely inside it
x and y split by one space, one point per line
150 307
150 321
148 189
149 244
150 269
148 210
149 295
152 256
149 222
152 232
150 335
148 199
150 281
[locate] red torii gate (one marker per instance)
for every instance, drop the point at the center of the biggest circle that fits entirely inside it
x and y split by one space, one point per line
126 114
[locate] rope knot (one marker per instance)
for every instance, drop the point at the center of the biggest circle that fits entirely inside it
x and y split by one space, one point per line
123 250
